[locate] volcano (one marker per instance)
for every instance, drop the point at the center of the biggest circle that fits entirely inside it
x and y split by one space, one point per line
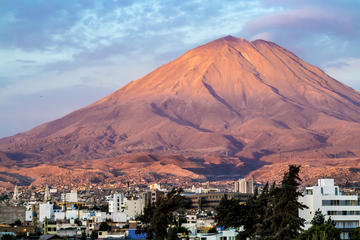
225 108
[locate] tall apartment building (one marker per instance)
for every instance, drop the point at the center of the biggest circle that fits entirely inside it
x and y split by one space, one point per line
243 186
325 196
116 202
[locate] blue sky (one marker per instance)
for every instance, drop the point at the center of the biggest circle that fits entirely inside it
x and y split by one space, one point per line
60 55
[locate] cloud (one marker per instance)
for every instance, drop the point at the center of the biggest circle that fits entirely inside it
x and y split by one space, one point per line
305 19
345 70
327 28
25 61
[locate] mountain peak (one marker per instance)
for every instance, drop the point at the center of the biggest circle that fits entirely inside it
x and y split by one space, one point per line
230 38
228 98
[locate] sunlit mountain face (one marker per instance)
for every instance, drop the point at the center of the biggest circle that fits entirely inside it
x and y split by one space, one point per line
223 109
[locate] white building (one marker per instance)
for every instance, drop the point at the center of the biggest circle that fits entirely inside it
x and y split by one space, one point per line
134 207
46 211
70 197
229 234
29 213
116 202
244 186
343 209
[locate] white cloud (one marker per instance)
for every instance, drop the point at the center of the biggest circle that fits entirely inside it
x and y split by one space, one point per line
345 70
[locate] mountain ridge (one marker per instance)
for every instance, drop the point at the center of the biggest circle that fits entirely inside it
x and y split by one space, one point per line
227 98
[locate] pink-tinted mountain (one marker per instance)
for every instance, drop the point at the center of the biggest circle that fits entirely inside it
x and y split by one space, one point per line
223 109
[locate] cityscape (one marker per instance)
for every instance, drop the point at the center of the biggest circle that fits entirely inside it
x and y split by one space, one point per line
116 214
179 120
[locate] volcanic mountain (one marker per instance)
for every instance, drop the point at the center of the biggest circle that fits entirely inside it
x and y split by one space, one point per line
225 108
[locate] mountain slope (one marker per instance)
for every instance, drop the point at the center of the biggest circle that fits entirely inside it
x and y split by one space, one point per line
230 97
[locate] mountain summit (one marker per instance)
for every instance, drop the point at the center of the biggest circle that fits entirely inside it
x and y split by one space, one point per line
230 98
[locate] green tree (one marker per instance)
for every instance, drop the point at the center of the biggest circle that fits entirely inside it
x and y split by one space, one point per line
104 226
173 231
318 219
168 210
251 213
229 212
94 235
286 223
212 230
356 234
320 229
8 237
267 200
17 223
326 231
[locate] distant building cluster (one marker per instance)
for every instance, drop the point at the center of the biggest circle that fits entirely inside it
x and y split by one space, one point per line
74 213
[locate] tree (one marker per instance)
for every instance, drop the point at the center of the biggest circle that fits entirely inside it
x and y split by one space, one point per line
251 214
173 231
267 200
7 237
94 235
104 226
168 210
325 231
318 219
17 223
356 234
286 223
320 229
212 230
229 212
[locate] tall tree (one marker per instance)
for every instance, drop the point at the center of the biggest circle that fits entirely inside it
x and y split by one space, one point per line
229 212
286 222
166 211
264 229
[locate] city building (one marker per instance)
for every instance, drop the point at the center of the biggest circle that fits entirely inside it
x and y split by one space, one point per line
46 211
209 201
116 202
344 210
150 197
70 197
9 214
244 186
47 194
134 207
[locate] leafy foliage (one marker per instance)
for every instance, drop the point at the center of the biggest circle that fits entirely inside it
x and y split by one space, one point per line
318 219
273 214
229 212
172 232
286 222
356 234
104 226
8 237
320 229
325 231
168 210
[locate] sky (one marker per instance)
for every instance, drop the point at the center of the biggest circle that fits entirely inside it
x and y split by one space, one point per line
60 55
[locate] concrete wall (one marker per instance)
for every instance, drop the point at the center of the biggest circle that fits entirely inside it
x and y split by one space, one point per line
9 214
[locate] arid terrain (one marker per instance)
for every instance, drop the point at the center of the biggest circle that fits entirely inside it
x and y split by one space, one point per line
223 110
